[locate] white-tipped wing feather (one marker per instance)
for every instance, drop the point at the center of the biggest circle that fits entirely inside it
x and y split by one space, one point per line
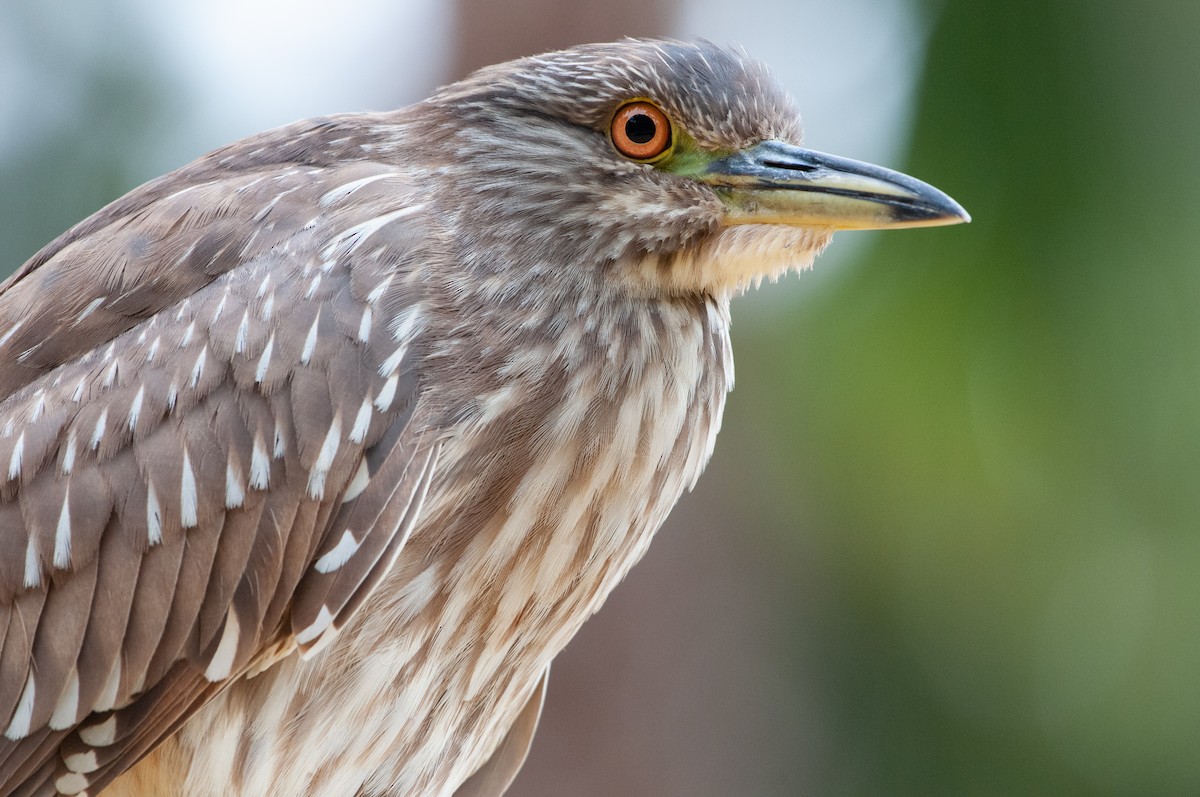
210 449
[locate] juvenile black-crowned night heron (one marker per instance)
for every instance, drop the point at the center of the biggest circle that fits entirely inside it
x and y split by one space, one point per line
316 451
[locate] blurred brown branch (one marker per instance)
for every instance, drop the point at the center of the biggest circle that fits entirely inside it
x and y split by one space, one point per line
488 33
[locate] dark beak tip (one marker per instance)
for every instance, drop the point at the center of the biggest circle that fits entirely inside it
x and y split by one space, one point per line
956 212
942 208
943 211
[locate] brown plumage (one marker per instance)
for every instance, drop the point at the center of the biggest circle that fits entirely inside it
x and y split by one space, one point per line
315 452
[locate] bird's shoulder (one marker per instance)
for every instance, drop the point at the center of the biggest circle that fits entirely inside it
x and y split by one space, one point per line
211 441
284 193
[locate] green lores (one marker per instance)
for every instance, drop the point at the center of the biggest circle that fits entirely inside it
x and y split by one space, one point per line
687 158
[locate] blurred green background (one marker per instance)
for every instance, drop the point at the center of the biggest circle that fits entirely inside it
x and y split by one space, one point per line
950 542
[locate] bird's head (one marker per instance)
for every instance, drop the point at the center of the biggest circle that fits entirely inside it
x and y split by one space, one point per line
674 167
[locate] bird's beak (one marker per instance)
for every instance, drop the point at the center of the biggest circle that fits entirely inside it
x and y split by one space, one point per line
778 183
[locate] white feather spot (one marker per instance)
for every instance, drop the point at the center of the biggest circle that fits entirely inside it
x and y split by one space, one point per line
235 494
198 368
110 351
243 331
23 716
339 555
15 460
39 406
405 323
393 361
320 468
110 374
11 331
216 316
387 393
310 341
260 466
154 516
189 501
346 189
262 286
98 431
33 566
153 350
364 325
70 783
67 709
78 394
82 762
246 187
187 335
62 533
135 407
172 395
312 286
268 306
220 666
25 355
68 460
264 362
315 629
280 447
267 208
108 695
362 477
102 734
356 236
362 422
92 307
377 292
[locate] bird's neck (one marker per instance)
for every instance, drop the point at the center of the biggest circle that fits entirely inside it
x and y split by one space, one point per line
551 484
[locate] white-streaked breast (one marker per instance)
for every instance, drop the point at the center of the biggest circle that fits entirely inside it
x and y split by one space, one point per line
562 543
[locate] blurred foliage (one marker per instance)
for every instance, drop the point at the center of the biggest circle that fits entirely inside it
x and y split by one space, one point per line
995 432
88 135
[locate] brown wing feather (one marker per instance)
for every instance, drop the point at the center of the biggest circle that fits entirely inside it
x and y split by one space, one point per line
123 736
61 628
200 388
108 622
15 661
353 557
160 243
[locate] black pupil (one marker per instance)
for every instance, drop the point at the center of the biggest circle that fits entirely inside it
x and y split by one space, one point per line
640 128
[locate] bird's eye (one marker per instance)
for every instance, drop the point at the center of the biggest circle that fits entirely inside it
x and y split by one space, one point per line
640 131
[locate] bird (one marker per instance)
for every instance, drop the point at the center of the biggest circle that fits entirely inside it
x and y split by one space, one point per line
316 451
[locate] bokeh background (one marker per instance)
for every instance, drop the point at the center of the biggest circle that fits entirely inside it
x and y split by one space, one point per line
950 540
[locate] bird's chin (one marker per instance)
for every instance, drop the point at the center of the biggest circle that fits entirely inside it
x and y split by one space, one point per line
730 261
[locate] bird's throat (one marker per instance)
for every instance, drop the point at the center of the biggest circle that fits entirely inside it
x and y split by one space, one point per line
729 261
